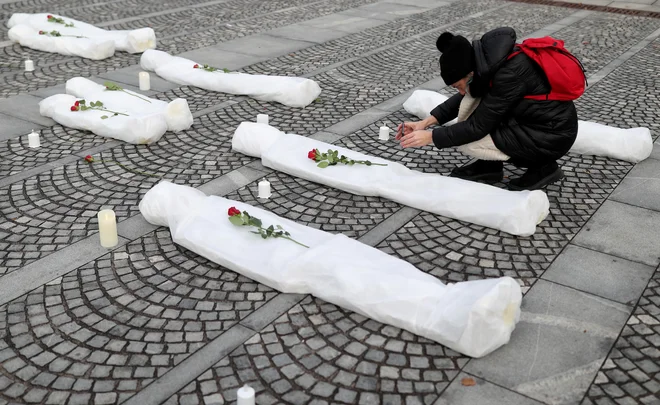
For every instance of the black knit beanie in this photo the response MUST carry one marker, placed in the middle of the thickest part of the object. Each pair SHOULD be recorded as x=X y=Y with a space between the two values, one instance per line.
x=457 y=59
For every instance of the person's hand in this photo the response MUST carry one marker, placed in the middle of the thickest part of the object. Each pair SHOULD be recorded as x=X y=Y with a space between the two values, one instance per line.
x=408 y=127
x=417 y=139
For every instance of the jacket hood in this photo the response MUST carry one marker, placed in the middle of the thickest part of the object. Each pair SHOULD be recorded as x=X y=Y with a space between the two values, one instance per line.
x=492 y=50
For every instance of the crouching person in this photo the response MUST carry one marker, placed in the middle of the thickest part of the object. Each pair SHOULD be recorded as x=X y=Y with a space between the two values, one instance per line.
x=505 y=108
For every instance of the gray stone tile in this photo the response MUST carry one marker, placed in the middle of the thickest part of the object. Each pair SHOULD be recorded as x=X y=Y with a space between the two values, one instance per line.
x=655 y=154
x=600 y=274
x=357 y=122
x=25 y=107
x=129 y=76
x=558 y=346
x=231 y=181
x=389 y=226
x=641 y=187
x=623 y=230
x=483 y=393
x=384 y=11
x=50 y=91
x=342 y=22
x=134 y=227
x=12 y=127
x=305 y=33
x=264 y=45
x=270 y=311
x=222 y=59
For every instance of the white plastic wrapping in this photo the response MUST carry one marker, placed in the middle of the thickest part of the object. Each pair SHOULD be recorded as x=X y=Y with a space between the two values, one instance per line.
x=146 y=121
x=515 y=212
x=177 y=113
x=290 y=91
x=473 y=318
x=632 y=145
x=98 y=44
x=422 y=102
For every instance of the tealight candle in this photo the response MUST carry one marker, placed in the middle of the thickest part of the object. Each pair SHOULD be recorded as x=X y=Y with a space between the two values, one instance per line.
x=33 y=140
x=108 y=228
x=264 y=189
x=384 y=134
x=245 y=396
x=262 y=119
x=145 y=81
x=29 y=66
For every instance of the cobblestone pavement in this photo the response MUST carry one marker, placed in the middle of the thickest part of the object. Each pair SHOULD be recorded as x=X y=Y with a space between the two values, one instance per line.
x=150 y=322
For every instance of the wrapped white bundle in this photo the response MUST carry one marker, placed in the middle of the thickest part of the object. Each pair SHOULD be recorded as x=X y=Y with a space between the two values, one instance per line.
x=133 y=41
x=145 y=121
x=290 y=91
x=632 y=145
x=515 y=212
x=177 y=113
x=473 y=318
x=95 y=49
x=422 y=102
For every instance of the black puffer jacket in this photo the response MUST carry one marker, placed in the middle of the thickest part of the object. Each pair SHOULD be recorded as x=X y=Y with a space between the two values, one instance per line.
x=530 y=132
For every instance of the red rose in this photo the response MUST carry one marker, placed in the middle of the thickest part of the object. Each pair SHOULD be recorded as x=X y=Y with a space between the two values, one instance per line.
x=89 y=159
x=312 y=154
x=41 y=33
x=233 y=211
x=196 y=66
x=74 y=108
x=77 y=103
x=50 y=16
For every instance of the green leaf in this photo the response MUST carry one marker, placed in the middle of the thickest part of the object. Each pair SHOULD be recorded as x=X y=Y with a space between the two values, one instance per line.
x=255 y=221
x=104 y=117
x=279 y=227
x=236 y=220
x=287 y=233
x=263 y=235
x=112 y=86
x=82 y=102
x=323 y=165
x=368 y=163
x=226 y=70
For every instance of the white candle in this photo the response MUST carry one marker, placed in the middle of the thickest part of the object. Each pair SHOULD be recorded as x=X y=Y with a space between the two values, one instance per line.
x=262 y=119
x=145 y=81
x=245 y=396
x=264 y=189
x=384 y=134
x=33 y=140
x=108 y=228
x=29 y=66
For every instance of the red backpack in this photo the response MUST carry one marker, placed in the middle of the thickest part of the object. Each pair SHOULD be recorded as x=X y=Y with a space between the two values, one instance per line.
x=564 y=71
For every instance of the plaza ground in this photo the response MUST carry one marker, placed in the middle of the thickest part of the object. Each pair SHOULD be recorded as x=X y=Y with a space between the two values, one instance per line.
x=150 y=322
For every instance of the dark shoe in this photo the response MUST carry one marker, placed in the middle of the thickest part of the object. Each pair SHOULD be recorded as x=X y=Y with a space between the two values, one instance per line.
x=537 y=177
x=481 y=170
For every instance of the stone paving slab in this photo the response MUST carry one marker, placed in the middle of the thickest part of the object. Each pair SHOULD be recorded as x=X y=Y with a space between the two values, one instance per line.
x=641 y=187
x=560 y=343
x=313 y=352
x=25 y=107
x=623 y=230
x=11 y=127
x=600 y=274
x=483 y=393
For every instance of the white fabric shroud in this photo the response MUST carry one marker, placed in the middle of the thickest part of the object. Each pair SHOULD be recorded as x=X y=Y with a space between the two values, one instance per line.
x=632 y=145
x=98 y=44
x=290 y=91
x=146 y=122
x=473 y=318
x=515 y=212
